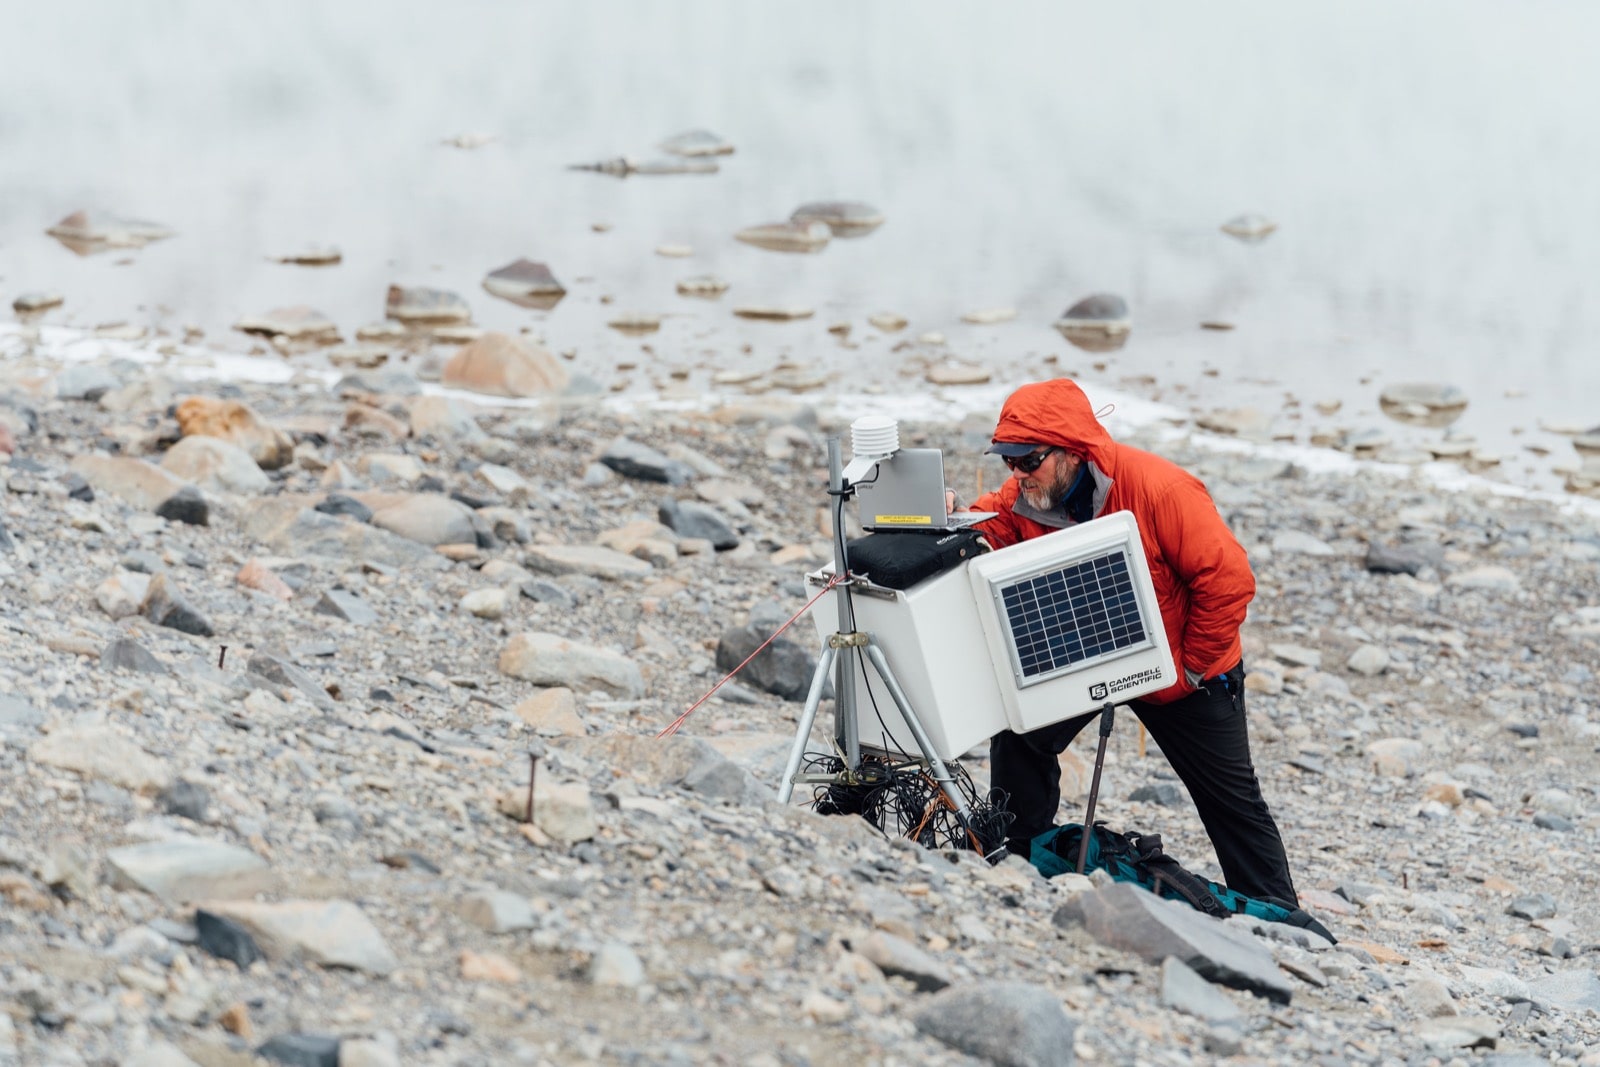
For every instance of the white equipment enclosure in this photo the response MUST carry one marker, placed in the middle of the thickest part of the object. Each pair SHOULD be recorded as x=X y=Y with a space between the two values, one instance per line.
x=1030 y=635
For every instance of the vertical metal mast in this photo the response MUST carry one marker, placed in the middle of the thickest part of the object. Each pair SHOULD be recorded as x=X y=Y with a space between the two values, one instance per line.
x=846 y=730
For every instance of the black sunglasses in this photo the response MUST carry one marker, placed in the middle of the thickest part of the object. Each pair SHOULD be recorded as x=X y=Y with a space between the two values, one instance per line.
x=1029 y=463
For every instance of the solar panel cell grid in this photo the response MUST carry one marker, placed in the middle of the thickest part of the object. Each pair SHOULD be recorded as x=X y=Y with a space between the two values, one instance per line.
x=1077 y=613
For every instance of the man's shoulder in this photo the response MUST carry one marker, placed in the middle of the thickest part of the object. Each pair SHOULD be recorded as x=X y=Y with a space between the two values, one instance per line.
x=1148 y=475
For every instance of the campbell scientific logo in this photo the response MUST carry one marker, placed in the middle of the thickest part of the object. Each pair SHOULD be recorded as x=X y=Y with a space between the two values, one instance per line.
x=1099 y=691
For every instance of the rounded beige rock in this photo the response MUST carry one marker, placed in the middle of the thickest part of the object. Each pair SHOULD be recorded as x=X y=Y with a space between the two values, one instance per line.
x=500 y=365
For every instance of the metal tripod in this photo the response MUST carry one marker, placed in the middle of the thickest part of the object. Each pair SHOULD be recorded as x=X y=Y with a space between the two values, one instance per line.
x=837 y=653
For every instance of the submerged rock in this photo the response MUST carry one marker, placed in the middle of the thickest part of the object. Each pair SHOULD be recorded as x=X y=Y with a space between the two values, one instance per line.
x=361 y=355
x=420 y=304
x=314 y=256
x=635 y=323
x=622 y=166
x=957 y=374
x=846 y=218
x=378 y=332
x=470 y=141
x=455 y=333
x=787 y=236
x=706 y=286
x=297 y=323
x=697 y=144
x=1250 y=229
x=27 y=303
x=526 y=284
x=88 y=232
x=989 y=316
x=773 y=312
x=1423 y=403
x=1097 y=323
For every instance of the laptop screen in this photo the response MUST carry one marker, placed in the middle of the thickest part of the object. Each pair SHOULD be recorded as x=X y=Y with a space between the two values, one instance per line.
x=907 y=493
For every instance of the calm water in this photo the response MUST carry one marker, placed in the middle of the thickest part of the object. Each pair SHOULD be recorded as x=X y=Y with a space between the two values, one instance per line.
x=1430 y=165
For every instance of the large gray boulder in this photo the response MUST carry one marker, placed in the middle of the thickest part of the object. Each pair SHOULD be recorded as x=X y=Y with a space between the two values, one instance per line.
x=291 y=529
x=428 y=519
x=1011 y=1024
x=550 y=659
x=784 y=667
x=1186 y=991
x=1572 y=991
x=691 y=520
x=333 y=933
x=215 y=465
x=280 y=670
x=101 y=752
x=189 y=868
x=165 y=606
x=683 y=762
x=1135 y=920
x=140 y=484
x=597 y=561
x=634 y=460
x=896 y=956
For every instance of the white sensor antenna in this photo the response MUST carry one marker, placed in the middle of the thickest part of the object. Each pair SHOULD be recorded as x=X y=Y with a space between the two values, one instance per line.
x=873 y=439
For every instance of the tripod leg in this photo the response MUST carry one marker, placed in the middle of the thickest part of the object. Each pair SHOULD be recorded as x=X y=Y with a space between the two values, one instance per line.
x=802 y=736
x=1107 y=720
x=941 y=774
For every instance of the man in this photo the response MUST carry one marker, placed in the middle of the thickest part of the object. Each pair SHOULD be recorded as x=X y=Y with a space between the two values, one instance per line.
x=1066 y=470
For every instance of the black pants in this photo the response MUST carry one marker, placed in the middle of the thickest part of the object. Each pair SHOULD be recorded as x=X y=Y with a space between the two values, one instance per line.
x=1204 y=738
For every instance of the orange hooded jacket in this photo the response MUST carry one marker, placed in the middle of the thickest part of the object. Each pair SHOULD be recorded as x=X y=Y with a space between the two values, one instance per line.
x=1200 y=571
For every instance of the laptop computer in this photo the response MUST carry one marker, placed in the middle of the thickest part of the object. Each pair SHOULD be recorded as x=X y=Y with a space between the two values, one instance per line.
x=908 y=494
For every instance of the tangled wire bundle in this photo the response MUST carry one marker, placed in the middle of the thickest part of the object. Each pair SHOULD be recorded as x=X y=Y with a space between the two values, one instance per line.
x=903 y=800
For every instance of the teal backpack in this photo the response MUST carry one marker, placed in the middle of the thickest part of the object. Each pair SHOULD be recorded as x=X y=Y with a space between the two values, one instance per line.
x=1138 y=858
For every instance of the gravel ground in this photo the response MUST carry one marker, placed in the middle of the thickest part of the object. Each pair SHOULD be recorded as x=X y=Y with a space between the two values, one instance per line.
x=344 y=789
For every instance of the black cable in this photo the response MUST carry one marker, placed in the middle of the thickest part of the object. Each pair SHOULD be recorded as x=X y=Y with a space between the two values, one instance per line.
x=903 y=800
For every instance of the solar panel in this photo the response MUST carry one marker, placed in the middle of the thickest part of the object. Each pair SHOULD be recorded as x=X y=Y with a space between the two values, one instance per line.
x=1071 y=615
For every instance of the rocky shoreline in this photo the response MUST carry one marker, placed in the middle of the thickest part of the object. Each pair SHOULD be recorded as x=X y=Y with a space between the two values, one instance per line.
x=278 y=662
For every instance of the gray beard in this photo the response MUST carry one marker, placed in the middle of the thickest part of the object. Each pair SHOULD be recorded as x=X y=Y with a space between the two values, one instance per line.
x=1045 y=498
x=1039 y=499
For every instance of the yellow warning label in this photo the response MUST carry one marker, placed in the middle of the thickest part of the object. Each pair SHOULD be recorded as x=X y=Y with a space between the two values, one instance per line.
x=903 y=520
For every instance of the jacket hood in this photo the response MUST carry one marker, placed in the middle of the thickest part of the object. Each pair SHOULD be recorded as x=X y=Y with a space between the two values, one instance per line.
x=1056 y=412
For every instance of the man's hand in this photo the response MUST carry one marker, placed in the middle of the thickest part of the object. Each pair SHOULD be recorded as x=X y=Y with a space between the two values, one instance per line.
x=949 y=501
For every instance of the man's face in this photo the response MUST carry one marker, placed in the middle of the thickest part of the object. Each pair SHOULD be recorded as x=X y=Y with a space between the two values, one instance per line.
x=1049 y=483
